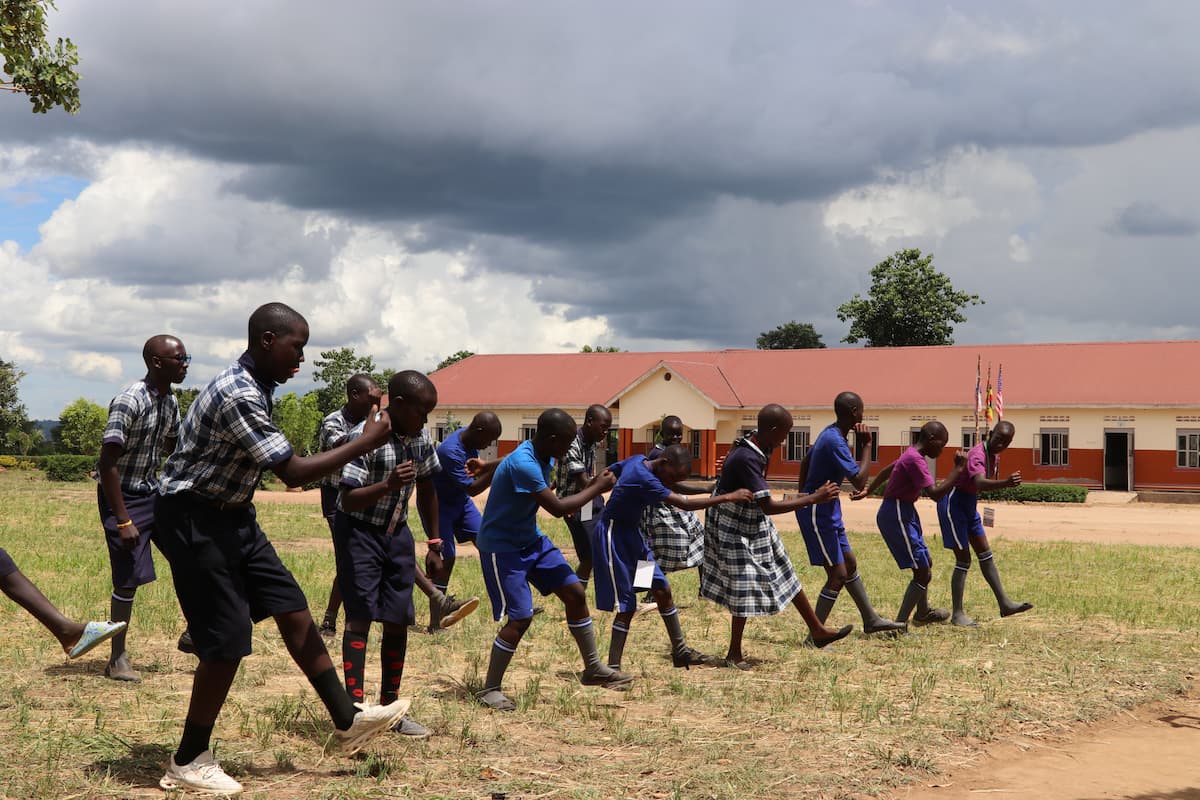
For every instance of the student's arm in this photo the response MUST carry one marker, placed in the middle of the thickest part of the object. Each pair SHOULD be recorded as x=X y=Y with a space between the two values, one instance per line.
x=359 y=497
x=482 y=471
x=985 y=484
x=427 y=510
x=824 y=494
x=693 y=488
x=697 y=503
x=110 y=484
x=299 y=470
x=862 y=438
x=562 y=506
x=876 y=482
x=938 y=491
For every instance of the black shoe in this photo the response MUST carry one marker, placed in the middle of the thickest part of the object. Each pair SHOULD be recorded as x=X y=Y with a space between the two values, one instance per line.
x=185 y=643
x=689 y=657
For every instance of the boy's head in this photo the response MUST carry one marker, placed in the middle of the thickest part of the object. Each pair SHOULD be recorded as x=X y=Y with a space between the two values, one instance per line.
x=596 y=422
x=166 y=358
x=277 y=337
x=1001 y=437
x=672 y=430
x=933 y=438
x=555 y=433
x=774 y=424
x=362 y=394
x=676 y=463
x=411 y=399
x=484 y=429
x=849 y=408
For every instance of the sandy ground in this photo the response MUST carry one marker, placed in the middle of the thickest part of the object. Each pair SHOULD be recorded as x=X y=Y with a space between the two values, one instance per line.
x=1152 y=753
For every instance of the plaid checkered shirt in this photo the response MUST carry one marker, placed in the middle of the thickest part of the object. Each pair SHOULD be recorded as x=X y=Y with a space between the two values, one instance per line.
x=335 y=429
x=376 y=465
x=579 y=460
x=227 y=438
x=141 y=421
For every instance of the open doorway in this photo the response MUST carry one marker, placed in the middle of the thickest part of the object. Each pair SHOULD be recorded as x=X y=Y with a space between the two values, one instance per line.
x=1118 y=460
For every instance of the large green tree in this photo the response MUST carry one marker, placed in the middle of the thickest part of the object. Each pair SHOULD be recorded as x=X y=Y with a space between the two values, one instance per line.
x=186 y=397
x=42 y=71
x=909 y=304
x=81 y=427
x=12 y=412
x=299 y=418
x=454 y=359
x=333 y=369
x=790 y=336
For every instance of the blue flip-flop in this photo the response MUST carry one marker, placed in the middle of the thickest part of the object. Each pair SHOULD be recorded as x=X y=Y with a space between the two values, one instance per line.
x=95 y=633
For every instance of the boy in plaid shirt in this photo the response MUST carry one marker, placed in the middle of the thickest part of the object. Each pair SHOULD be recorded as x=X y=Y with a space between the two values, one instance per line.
x=746 y=568
x=226 y=573
x=143 y=421
x=376 y=556
x=576 y=471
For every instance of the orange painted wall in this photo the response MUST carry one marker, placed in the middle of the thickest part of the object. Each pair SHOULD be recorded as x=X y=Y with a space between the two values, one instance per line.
x=505 y=446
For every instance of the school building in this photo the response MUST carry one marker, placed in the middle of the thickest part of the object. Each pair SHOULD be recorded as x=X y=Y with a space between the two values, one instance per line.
x=1114 y=415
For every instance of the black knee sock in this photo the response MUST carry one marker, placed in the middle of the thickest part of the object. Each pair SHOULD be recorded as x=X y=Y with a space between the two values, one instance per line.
x=392 y=652
x=333 y=695
x=354 y=663
x=616 y=645
x=825 y=600
x=670 y=619
x=194 y=742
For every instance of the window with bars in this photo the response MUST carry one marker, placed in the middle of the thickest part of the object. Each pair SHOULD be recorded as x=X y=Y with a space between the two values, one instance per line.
x=970 y=438
x=528 y=432
x=1187 y=448
x=1052 y=448
x=797 y=444
x=695 y=444
x=858 y=448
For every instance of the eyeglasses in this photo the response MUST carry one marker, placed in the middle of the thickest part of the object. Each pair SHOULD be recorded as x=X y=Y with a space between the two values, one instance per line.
x=185 y=360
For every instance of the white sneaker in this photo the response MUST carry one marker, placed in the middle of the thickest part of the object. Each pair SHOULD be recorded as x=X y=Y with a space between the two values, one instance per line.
x=203 y=774
x=369 y=722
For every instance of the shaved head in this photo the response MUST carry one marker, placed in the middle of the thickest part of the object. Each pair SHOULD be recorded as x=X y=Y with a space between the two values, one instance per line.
x=934 y=430
x=555 y=422
x=276 y=318
x=361 y=382
x=597 y=411
x=484 y=429
x=1005 y=428
x=410 y=385
x=162 y=345
x=846 y=403
x=774 y=416
x=678 y=456
x=486 y=421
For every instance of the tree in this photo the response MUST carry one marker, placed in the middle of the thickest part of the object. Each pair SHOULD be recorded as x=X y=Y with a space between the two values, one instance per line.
x=600 y=348
x=299 y=418
x=909 y=304
x=790 y=336
x=44 y=72
x=186 y=397
x=454 y=359
x=12 y=412
x=81 y=427
x=334 y=368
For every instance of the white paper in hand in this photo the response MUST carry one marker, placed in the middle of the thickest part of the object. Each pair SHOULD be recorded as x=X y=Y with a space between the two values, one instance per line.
x=643 y=576
x=585 y=513
x=989 y=518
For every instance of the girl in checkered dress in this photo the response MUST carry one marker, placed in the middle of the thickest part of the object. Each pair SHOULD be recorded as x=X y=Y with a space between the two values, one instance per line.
x=676 y=534
x=746 y=568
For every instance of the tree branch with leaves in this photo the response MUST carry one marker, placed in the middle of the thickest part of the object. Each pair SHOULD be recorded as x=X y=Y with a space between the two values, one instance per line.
x=43 y=71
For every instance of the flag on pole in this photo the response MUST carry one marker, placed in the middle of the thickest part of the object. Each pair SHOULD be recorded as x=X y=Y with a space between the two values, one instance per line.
x=999 y=401
x=988 y=408
x=978 y=387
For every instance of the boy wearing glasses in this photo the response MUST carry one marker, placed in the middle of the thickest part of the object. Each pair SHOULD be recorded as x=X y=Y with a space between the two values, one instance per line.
x=143 y=420
x=374 y=548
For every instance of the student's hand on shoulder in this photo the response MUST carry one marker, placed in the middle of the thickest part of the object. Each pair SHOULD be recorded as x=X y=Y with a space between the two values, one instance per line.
x=377 y=427
x=741 y=496
x=474 y=465
x=1014 y=479
x=402 y=474
x=826 y=493
x=607 y=480
x=862 y=434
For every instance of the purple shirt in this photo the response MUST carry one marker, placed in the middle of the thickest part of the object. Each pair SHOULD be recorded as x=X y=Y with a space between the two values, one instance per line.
x=910 y=476
x=976 y=465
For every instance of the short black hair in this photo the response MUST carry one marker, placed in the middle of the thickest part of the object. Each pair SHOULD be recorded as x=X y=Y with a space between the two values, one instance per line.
x=595 y=410
x=933 y=428
x=678 y=455
x=845 y=403
x=555 y=422
x=361 y=382
x=275 y=317
x=1007 y=426
x=773 y=415
x=155 y=344
x=409 y=384
x=672 y=420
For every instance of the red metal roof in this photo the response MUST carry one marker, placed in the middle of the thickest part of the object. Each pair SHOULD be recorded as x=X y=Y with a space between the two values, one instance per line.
x=1115 y=374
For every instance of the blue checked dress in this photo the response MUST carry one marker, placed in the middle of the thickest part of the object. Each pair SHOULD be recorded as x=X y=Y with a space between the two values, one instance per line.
x=746 y=569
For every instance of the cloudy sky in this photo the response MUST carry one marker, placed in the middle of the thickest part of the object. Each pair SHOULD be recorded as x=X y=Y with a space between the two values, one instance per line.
x=419 y=178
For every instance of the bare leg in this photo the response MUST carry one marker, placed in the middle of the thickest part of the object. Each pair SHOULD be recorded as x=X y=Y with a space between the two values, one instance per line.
x=821 y=634
x=26 y=595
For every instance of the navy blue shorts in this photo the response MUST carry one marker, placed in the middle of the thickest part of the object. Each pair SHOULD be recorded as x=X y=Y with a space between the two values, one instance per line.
x=959 y=517
x=901 y=528
x=824 y=538
x=7 y=565
x=507 y=577
x=375 y=571
x=458 y=524
x=617 y=550
x=581 y=536
x=130 y=568
x=329 y=496
x=227 y=575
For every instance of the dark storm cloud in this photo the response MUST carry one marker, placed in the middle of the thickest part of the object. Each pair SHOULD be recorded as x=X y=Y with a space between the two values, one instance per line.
x=1148 y=219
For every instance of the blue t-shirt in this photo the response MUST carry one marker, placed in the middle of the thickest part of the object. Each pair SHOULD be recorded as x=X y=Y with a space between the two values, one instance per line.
x=510 y=516
x=637 y=487
x=452 y=482
x=830 y=459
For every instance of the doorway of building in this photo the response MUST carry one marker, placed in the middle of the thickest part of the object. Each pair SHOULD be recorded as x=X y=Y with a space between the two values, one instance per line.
x=1118 y=460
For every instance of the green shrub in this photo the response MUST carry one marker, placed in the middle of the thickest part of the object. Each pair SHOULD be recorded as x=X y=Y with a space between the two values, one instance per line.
x=8 y=462
x=68 y=468
x=1040 y=493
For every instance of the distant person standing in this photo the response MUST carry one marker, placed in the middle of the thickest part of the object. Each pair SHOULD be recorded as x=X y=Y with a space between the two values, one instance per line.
x=362 y=394
x=576 y=472
x=143 y=422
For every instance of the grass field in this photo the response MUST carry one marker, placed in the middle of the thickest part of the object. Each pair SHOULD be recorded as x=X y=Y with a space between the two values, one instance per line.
x=1114 y=626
